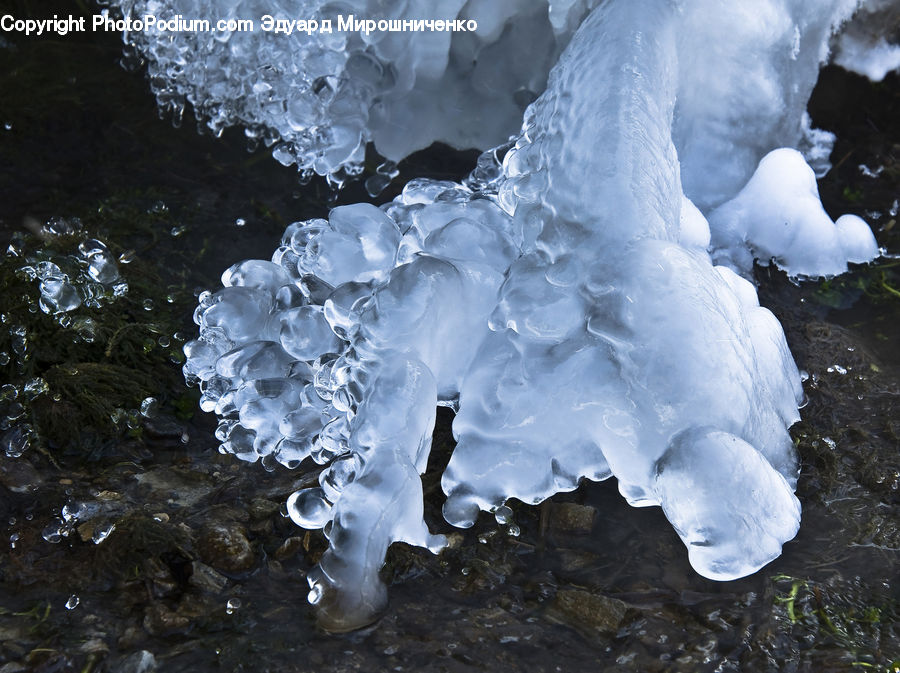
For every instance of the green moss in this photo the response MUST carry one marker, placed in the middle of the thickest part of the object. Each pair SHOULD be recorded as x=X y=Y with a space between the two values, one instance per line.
x=852 y=195
x=95 y=364
x=878 y=282
x=835 y=614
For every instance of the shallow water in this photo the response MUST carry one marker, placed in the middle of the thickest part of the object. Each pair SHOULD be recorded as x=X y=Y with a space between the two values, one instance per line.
x=202 y=571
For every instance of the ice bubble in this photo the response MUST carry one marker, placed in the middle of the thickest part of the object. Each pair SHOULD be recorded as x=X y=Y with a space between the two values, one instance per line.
x=149 y=407
x=102 y=268
x=17 y=440
x=102 y=532
x=340 y=473
x=305 y=333
x=308 y=508
x=58 y=295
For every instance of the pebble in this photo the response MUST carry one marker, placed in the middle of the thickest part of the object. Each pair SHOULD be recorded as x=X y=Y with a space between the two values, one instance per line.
x=570 y=517
x=225 y=547
x=160 y=621
x=586 y=612
x=138 y=662
x=207 y=579
x=289 y=548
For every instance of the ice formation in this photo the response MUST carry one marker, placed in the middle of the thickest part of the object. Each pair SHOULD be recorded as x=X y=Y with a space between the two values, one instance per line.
x=865 y=46
x=319 y=99
x=578 y=300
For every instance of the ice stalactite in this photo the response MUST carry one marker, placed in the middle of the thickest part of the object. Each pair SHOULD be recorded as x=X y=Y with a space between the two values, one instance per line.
x=318 y=99
x=563 y=301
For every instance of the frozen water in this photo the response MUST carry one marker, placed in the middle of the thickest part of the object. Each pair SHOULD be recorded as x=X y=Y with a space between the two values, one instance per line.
x=90 y=277
x=320 y=98
x=778 y=216
x=564 y=301
x=863 y=47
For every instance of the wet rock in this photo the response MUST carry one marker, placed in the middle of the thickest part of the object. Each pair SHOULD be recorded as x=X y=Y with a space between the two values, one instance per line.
x=162 y=583
x=225 y=547
x=139 y=662
x=40 y=660
x=161 y=428
x=572 y=518
x=591 y=614
x=19 y=476
x=261 y=527
x=176 y=486
x=289 y=548
x=455 y=539
x=13 y=637
x=574 y=561
x=275 y=570
x=94 y=646
x=13 y=667
x=160 y=621
x=207 y=579
x=130 y=638
x=260 y=508
x=86 y=531
x=228 y=514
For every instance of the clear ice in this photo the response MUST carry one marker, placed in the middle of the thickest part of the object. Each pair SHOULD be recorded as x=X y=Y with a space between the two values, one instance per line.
x=320 y=99
x=581 y=300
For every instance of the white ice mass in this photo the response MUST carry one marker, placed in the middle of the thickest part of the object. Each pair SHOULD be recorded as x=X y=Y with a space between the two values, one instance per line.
x=580 y=300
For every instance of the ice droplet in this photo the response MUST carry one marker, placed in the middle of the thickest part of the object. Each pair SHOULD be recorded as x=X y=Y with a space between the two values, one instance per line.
x=53 y=532
x=308 y=508
x=149 y=407
x=102 y=532
x=503 y=515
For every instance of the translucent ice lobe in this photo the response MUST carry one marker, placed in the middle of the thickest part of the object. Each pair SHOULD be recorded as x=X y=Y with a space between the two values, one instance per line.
x=383 y=502
x=547 y=448
x=359 y=244
x=305 y=334
x=422 y=295
x=542 y=349
x=738 y=524
x=874 y=61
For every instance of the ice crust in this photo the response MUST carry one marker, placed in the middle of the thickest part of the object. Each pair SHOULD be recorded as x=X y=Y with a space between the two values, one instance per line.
x=319 y=99
x=563 y=301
